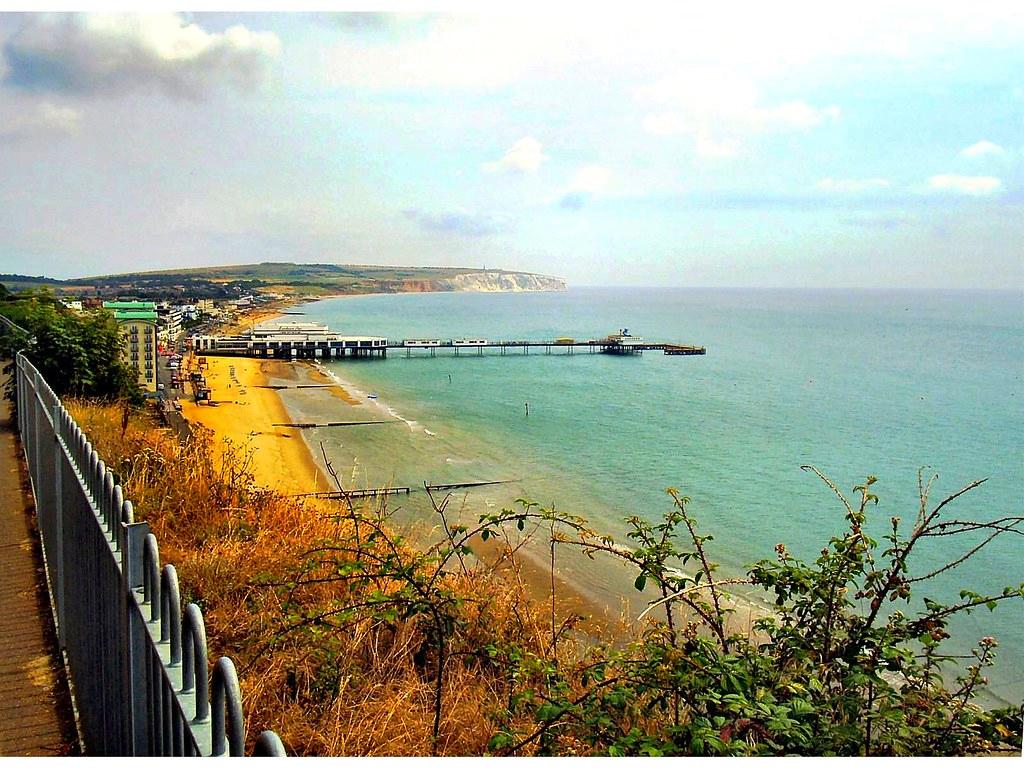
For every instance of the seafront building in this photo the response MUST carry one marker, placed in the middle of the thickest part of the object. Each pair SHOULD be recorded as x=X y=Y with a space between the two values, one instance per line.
x=169 y=319
x=292 y=340
x=137 y=322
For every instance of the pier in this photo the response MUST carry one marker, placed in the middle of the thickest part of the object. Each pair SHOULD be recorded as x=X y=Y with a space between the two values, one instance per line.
x=294 y=341
x=547 y=347
x=386 y=491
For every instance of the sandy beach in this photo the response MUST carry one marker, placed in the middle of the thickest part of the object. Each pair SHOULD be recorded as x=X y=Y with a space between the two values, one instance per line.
x=246 y=413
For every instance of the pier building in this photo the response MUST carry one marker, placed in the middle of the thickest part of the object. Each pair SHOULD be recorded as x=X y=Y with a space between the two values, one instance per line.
x=291 y=339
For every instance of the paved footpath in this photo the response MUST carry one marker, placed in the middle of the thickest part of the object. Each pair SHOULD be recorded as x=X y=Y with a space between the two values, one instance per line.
x=35 y=711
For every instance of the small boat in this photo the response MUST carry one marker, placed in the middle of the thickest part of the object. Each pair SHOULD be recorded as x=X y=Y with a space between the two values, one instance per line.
x=372 y=396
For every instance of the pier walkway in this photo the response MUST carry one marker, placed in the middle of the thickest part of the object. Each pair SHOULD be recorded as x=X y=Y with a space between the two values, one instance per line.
x=325 y=344
x=547 y=347
x=35 y=712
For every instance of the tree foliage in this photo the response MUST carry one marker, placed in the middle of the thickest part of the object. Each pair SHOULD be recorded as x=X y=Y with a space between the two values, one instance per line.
x=79 y=354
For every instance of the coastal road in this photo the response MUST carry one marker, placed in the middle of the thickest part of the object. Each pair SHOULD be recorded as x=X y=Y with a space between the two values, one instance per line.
x=173 y=418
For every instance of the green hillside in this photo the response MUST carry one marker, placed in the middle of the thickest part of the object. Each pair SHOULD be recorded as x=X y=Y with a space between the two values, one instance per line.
x=231 y=280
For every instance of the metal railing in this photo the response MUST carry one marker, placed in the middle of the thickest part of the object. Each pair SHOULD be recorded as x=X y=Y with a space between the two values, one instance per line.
x=137 y=661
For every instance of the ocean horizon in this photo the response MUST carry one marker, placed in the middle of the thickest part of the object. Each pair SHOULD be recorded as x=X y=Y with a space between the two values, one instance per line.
x=854 y=382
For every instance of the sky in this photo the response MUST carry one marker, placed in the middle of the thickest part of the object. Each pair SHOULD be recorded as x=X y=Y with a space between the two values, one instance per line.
x=734 y=144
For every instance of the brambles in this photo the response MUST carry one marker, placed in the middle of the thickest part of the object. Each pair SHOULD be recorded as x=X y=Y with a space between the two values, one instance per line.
x=816 y=677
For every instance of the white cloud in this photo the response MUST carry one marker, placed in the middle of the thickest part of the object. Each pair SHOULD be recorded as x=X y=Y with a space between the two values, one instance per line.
x=585 y=183
x=965 y=185
x=982 y=149
x=664 y=124
x=828 y=184
x=525 y=156
x=495 y=48
x=592 y=178
x=25 y=122
x=706 y=147
x=717 y=109
x=117 y=52
x=462 y=52
x=795 y=115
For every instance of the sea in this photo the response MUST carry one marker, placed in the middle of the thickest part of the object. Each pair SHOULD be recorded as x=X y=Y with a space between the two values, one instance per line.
x=887 y=383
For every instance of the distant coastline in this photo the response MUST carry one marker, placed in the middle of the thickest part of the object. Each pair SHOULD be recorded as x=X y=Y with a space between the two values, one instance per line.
x=287 y=279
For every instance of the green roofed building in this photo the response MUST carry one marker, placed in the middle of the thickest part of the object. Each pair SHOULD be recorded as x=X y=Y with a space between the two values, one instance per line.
x=137 y=321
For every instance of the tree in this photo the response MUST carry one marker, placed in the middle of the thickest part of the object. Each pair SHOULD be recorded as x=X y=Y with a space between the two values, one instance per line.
x=77 y=354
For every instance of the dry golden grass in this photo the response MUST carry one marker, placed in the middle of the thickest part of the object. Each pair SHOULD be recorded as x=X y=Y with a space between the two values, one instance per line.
x=363 y=688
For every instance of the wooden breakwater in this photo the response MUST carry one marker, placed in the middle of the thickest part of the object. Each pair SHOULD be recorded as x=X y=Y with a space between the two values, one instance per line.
x=308 y=425
x=390 y=490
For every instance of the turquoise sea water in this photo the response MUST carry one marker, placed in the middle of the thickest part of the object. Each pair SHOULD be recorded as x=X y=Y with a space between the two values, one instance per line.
x=853 y=382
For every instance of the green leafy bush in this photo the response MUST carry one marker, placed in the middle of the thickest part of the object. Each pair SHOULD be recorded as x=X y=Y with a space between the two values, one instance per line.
x=817 y=676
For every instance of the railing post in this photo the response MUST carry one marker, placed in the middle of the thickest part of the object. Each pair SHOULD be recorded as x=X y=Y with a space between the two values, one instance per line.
x=110 y=518
x=151 y=576
x=268 y=744
x=55 y=549
x=194 y=661
x=227 y=703
x=195 y=682
x=155 y=702
x=37 y=418
x=19 y=399
x=133 y=535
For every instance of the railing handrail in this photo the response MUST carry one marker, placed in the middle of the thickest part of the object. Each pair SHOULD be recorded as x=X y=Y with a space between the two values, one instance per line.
x=14 y=326
x=153 y=696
